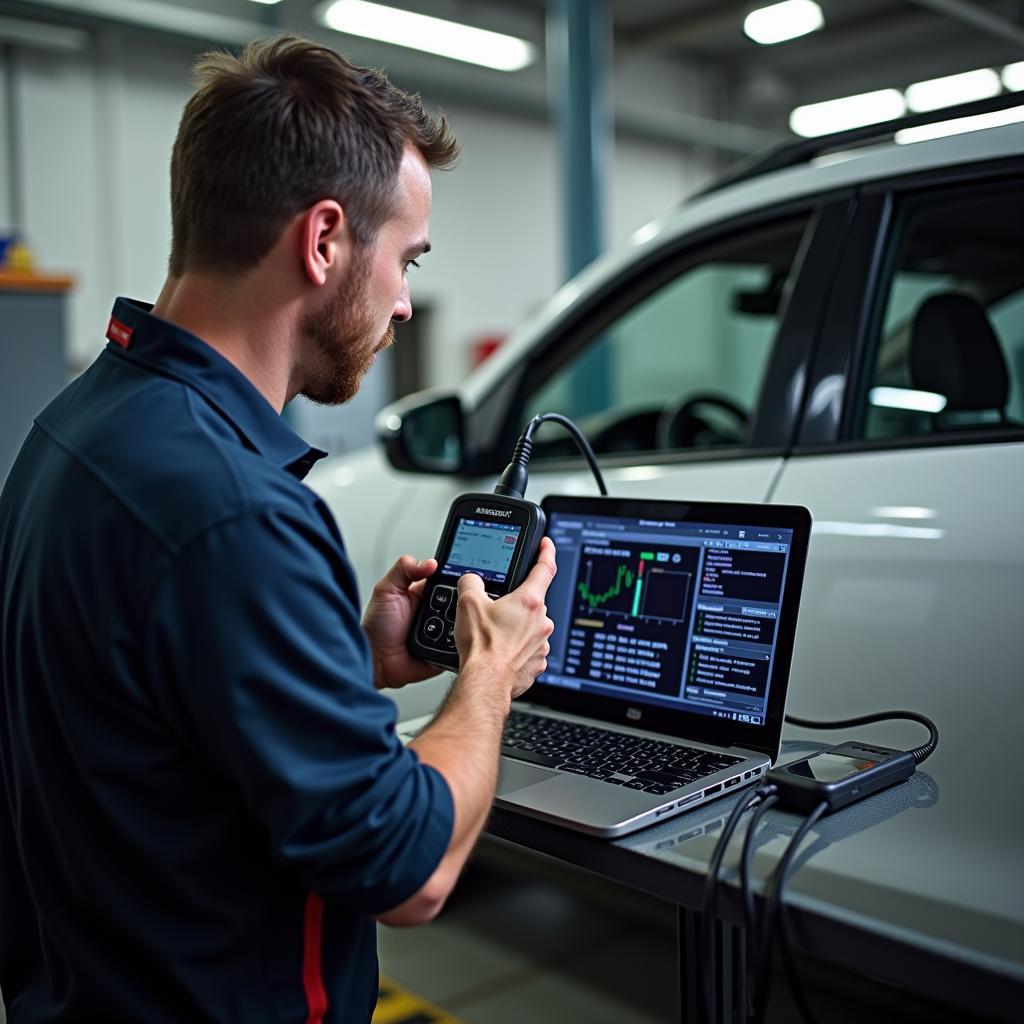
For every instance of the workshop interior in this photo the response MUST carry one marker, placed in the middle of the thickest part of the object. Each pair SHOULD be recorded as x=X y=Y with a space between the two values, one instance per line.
x=721 y=314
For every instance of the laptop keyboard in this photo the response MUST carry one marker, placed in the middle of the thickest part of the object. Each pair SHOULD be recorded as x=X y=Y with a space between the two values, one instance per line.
x=620 y=759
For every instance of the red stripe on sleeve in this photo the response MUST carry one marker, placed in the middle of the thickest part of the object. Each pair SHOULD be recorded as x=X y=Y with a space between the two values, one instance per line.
x=312 y=968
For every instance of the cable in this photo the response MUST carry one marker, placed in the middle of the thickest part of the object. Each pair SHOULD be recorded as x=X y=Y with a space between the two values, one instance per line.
x=919 y=754
x=710 y=888
x=764 y=966
x=786 y=952
x=749 y=909
x=514 y=478
x=761 y=935
x=581 y=442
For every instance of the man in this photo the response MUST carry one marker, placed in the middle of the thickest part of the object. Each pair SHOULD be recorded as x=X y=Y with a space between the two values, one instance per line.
x=204 y=801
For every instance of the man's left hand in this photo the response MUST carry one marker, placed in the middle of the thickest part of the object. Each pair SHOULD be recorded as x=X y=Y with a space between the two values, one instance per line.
x=388 y=619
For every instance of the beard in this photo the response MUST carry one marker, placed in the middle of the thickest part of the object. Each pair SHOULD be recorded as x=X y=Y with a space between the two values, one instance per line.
x=339 y=342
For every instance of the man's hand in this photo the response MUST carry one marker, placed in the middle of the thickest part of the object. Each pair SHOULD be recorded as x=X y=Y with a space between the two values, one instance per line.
x=388 y=619
x=503 y=647
x=511 y=632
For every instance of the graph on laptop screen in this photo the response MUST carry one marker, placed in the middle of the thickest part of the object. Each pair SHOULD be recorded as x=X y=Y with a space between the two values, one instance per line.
x=678 y=614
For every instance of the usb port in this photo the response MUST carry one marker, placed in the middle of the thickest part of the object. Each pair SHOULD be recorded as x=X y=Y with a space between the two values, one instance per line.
x=733 y=782
x=747 y=775
x=712 y=789
x=663 y=810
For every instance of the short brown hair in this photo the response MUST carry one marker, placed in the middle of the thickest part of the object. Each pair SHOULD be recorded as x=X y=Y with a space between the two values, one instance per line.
x=272 y=131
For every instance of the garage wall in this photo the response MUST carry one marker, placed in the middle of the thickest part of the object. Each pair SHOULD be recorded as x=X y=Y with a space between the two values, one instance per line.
x=5 y=212
x=97 y=129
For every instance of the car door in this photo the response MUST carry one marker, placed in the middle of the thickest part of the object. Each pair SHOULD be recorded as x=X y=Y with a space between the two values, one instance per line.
x=911 y=459
x=682 y=380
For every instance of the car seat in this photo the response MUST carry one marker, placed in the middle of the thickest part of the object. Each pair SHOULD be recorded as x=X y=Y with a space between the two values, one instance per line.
x=954 y=352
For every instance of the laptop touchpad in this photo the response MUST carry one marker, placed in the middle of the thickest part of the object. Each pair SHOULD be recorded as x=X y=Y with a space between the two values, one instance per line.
x=517 y=775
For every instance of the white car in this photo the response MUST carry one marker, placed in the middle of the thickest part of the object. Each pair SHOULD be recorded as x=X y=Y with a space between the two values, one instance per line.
x=845 y=334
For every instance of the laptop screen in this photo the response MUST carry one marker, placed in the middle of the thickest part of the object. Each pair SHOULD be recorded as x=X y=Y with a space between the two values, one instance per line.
x=679 y=612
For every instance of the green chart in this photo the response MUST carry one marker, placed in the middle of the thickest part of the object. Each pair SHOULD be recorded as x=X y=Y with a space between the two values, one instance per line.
x=624 y=577
x=612 y=586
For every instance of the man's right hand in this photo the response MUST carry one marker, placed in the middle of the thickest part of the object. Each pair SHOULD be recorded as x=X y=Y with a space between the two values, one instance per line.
x=512 y=632
x=503 y=647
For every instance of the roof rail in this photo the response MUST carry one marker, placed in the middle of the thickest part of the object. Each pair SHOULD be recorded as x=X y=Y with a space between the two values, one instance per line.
x=791 y=154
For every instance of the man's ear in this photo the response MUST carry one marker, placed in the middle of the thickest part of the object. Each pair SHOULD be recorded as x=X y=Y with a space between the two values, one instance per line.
x=325 y=240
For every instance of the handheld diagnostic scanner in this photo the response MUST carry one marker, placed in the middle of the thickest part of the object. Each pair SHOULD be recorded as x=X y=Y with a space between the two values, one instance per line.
x=496 y=536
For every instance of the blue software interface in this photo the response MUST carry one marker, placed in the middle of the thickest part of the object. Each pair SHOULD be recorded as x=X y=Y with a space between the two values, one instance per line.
x=679 y=614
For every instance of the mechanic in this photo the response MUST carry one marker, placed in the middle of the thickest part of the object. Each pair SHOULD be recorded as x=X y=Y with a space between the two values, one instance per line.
x=205 y=804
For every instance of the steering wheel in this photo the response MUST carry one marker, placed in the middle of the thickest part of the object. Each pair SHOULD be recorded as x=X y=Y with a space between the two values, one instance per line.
x=680 y=426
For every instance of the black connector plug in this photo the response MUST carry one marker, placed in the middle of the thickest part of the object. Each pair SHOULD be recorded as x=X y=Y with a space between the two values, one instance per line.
x=515 y=477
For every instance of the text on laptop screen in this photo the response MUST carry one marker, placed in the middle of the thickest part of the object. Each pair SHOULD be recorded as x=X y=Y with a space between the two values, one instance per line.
x=683 y=615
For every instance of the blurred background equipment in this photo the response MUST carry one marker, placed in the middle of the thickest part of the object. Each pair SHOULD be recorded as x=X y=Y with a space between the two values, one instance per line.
x=580 y=121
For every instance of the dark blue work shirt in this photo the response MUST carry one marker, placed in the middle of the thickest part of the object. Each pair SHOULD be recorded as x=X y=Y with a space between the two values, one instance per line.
x=203 y=794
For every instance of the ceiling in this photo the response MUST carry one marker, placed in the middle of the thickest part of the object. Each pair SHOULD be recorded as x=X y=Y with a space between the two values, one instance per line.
x=865 y=45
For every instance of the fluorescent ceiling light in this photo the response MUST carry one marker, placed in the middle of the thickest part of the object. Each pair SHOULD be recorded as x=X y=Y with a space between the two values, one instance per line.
x=433 y=35
x=959 y=125
x=268 y=2
x=783 y=21
x=816 y=119
x=906 y=398
x=946 y=92
x=1013 y=77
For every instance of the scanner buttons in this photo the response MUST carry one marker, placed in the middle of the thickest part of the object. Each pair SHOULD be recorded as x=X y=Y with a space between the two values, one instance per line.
x=439 y=629
x=433 y=629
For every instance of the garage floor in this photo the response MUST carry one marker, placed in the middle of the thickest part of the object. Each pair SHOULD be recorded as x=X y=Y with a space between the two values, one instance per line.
x=516 y=946
x=523 y=940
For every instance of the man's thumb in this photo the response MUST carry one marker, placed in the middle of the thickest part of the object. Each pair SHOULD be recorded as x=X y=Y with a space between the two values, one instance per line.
x=469 y=582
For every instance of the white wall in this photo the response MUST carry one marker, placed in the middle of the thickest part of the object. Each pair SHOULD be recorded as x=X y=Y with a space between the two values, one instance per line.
x=96 y=129
x=5 y=213
x=61 y=174
x=97 y=133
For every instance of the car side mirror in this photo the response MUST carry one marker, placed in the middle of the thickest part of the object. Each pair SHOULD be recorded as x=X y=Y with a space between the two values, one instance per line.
x=423 y=432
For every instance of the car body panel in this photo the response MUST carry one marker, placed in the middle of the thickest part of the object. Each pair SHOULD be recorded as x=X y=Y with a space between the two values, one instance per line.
x=914 y=589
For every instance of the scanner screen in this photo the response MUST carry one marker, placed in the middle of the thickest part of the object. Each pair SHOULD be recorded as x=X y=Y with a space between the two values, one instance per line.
x=482 y=547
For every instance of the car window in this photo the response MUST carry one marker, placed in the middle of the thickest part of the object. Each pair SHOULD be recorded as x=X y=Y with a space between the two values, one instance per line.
x=681 y=368
x=948 y=353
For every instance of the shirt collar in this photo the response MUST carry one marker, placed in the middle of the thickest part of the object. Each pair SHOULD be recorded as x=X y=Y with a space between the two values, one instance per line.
x=135 y=333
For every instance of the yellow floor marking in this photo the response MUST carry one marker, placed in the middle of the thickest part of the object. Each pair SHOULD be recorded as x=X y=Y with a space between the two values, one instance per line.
x=397 y=1004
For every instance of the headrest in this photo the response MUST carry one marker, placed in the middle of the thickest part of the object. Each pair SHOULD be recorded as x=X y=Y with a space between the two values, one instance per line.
x=954 y=352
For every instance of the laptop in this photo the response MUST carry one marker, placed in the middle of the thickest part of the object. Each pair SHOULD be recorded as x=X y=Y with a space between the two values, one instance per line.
x=669 y=665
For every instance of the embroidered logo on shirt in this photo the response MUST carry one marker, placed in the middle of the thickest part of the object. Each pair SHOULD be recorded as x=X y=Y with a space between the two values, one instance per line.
x=119 y=332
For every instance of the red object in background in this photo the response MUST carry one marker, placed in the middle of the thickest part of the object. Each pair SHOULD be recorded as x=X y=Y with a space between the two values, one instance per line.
x=484 y=347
